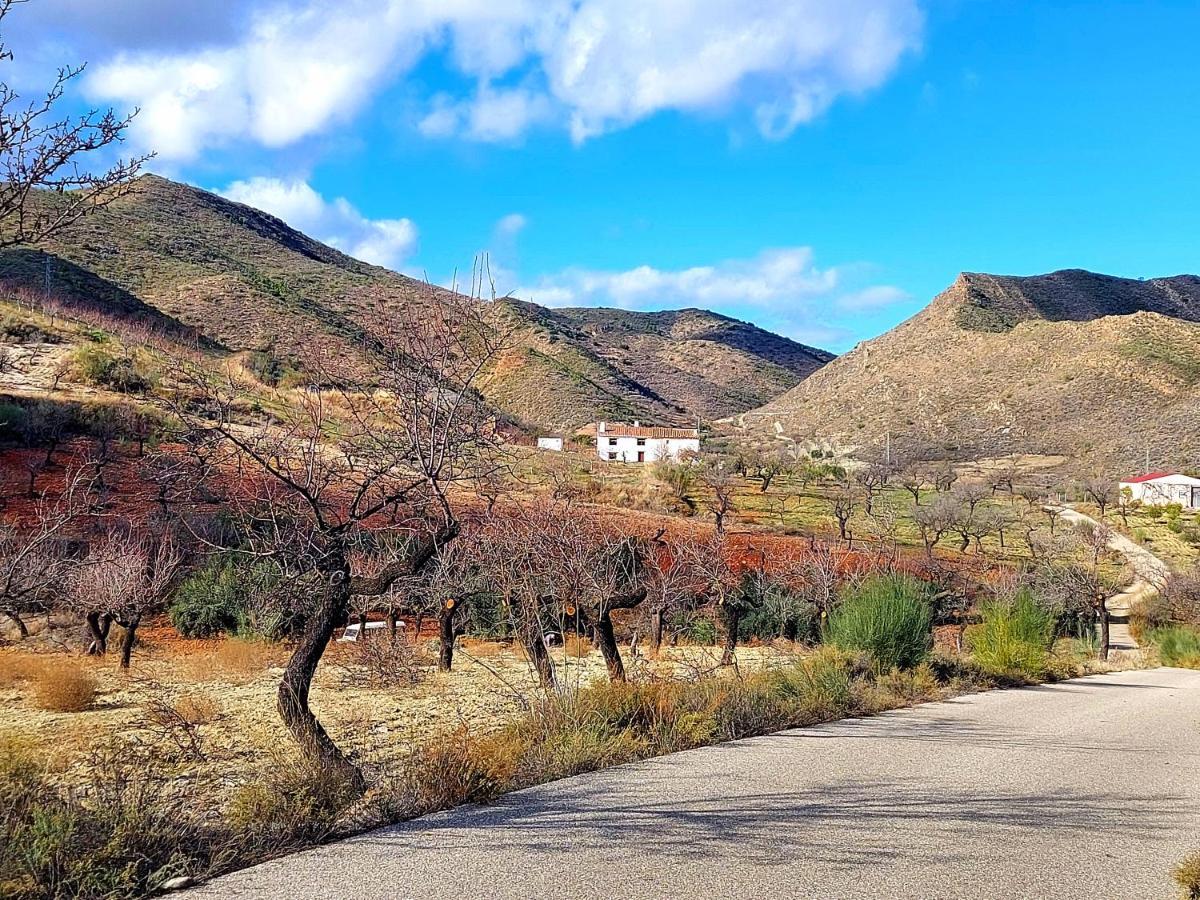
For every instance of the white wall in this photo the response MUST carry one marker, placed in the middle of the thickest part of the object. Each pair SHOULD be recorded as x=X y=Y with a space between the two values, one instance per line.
x=550 y=443
x=626 y=449
x=1162 y=492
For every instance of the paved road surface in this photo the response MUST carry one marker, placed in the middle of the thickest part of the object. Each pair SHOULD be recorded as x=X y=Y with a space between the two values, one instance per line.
x=1089 y=788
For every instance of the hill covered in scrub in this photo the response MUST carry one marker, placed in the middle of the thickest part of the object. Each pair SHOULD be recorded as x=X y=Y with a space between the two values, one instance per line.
x=1091 y=366
x=184 y=261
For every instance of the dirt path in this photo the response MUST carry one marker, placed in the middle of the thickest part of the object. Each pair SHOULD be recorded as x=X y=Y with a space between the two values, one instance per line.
x=1150 y=574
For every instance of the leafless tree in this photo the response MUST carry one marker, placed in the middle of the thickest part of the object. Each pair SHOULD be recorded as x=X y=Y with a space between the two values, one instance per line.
x=390 y=451
x=122 y=581
x=42 y=151
x=935 y=519
x=768 y=466
x=35 y=556
x=1099 y=490
x=843 y=503
x=721 y=503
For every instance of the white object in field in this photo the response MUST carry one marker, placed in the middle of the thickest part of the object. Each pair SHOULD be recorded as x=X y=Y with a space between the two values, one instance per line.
x=550 y=443
x=353 y=632
x=552 y=639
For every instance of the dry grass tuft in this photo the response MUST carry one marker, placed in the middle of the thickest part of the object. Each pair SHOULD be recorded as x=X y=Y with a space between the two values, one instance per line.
x=1187 y=874
x=17 y=667
x=64 y=686
x=198 y=709
x=234 y=661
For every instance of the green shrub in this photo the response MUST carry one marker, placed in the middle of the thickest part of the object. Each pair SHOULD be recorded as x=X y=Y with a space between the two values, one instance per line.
x=887 y=616
x=1178 y=645
x=224 y=598
x=1014 y=637
x=95 y=365
x=117 y=836
x=211 y=601
x=701 y=631
x=818 y=685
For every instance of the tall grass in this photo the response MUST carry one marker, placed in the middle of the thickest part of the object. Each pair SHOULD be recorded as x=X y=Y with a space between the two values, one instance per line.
x=887 y=616
x=1014 y=637
x=1178 y=645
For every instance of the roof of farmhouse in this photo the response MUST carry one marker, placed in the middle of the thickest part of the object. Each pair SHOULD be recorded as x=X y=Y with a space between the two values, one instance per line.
x=642 y=431
x=1162 y=476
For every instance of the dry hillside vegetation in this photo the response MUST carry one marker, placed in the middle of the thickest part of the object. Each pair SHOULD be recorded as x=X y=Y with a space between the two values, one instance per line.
x=198 y=267
x=1097 y=368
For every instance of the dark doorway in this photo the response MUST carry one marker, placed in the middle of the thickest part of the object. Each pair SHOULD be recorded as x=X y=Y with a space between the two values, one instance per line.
x=641 y=456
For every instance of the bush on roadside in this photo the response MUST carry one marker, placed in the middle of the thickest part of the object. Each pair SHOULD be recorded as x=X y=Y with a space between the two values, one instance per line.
x=117 y=836
x=1013 y=638
x=1178 y=645
x=887 y=616
x=292 y=804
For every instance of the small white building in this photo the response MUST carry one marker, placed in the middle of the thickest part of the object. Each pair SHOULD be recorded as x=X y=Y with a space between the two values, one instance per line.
x=638 y=443
x=1162 y=488
x=554 y=444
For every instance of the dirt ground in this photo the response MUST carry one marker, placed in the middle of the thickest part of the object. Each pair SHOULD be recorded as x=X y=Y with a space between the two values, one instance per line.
x=233 y=686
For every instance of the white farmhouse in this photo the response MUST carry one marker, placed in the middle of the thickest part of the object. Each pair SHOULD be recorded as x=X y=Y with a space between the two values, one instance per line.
x=1161 y=488
x=636 y=443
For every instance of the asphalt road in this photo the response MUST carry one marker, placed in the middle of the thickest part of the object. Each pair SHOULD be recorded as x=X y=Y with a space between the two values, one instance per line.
x=1089 y=788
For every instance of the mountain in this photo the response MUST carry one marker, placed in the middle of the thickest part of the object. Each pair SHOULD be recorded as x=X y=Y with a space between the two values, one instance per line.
x=182 y=260
x=1098 y=368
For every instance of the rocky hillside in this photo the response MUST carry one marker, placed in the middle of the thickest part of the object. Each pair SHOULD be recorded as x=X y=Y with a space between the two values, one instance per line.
x=186 y=261
x=1090 y=366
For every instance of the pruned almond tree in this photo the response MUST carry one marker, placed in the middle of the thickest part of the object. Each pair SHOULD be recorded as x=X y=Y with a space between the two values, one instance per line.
x=123 y=580
x=391 y=451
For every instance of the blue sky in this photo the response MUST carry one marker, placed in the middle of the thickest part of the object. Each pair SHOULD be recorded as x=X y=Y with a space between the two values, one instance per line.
x=820 y=168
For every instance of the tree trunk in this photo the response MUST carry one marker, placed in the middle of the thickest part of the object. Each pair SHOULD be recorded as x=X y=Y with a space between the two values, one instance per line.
x=733 y=618
x=128 y=640
x=448 y=632
x=656 y=633
x=607 y=641
x=1104 y=630
x=391 y=622
x=98 y=626
x=536 y=646
x=22 y=628
x=418 y=621
x=292 y=700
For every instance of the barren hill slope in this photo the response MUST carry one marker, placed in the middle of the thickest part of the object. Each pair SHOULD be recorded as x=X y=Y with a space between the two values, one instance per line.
x=1095 y=367
x=173 y=255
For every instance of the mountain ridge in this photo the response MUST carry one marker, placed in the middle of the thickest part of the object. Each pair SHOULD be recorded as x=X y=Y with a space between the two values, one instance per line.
x=1093 y=366
x=184 y=259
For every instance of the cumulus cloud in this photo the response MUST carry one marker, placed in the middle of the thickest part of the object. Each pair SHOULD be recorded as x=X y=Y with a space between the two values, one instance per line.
x=773 y=277
x=782 y=289
x=382 y=242
x=590 y=66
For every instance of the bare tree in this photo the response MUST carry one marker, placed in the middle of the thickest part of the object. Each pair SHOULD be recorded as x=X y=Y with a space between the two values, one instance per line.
x=385 y=452
x=122 y=581
x=843 y=502
x=721 y=504
x=43 y=152
x=935 y=519
x=1099 y=490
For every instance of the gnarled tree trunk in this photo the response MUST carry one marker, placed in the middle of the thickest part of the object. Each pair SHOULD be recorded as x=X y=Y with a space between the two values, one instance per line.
x=450 y=626
x=292 y=699
x=732 y=616
x=606 y=639
x=22 y=628
x=98 y=626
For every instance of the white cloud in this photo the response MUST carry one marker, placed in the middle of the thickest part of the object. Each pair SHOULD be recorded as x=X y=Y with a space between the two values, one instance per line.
x=511 y=225
x=781 y=289
x=592 y=66
x=382 y=242
x=773 y=277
